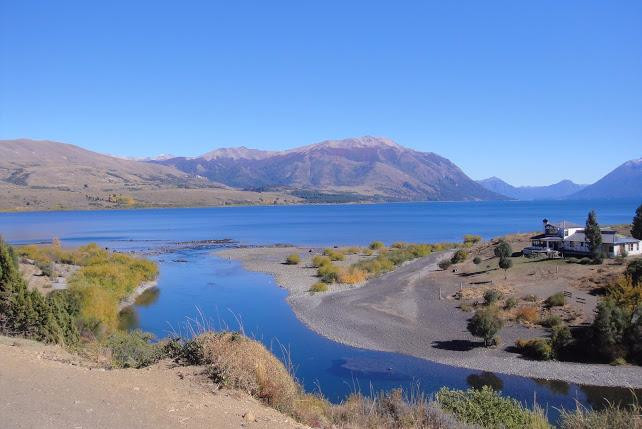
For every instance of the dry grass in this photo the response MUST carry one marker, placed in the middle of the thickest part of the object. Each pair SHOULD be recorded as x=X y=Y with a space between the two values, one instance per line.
x=527 y=314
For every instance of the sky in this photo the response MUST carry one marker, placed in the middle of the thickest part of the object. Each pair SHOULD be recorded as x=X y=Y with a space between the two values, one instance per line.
x=532 y=92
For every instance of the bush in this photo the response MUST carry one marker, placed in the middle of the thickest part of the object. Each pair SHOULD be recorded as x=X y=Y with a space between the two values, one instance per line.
x=329 y=273
x=352 y=276
x=585 y=261
x=352 y=251
x=561 y=340
x=634 y=270
x=503 y=249
x=319 y=287
x=510 y=303
x=133 y=349
x=610 y=417
x=293 y=259
x=536 y=348
x=445 y=264
x=376 y=245
x=459 y=256
x=485 y=324
x=505 y=264
x=477 y=260
x=334 y=255
x=318 y=261
x=528 y=314
x=531 y=298
x=572 y=260
x=487 y=408
x=556 y=300
x=470 y=239
x=491 y=296
x=609 y=330
x=551 y=321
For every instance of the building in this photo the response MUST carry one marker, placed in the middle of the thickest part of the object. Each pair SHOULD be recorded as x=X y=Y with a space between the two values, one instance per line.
x=568 y=238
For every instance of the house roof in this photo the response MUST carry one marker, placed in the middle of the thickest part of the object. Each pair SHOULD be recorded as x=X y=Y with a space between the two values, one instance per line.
x=625 y=240
x=566 y=224
x=608 y=237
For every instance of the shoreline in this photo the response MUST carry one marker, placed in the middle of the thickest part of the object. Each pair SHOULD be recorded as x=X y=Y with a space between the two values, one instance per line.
x=131 y=299
x=388 y=314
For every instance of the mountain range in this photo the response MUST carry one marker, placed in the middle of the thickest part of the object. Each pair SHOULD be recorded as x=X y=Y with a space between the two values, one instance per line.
x=374 y=168
x=50 y=175
x=556 y=191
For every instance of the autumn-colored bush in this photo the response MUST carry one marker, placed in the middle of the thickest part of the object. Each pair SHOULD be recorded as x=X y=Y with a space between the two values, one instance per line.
x=293 y=259
x=528 y=314
x=352 y=276
x=329 y=273
x=318 y=287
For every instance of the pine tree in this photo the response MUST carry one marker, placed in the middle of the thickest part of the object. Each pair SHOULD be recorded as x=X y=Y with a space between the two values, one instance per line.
x=636 y=226
x=593 y=236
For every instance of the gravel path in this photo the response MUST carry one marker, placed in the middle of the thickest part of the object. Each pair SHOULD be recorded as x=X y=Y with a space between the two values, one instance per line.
x=402 y=312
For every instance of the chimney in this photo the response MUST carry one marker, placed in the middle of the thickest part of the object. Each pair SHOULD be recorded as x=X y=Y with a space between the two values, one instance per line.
x=545 y=221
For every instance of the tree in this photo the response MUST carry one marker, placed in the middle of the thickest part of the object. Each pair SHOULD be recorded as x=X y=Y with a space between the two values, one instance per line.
x=609 y=328
x=505 y=264
x=503 y=249
x=593 y=236
x=634 y=269
x=485 y=324
x=636 y=226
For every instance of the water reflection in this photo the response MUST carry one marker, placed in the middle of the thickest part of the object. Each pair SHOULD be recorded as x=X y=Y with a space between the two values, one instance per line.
x=555 y=386
x=128 y=318
x=477 y=381
x=601 y=397
x=148 y=297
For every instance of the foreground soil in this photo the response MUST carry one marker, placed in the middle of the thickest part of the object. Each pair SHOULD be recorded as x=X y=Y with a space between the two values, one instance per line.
x=412 y=311
x=45 y=387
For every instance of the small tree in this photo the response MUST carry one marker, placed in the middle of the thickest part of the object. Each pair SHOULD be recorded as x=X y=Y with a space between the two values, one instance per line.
x=503 y=249
x=636 y=226
x=485 y=324
x=593 y=236
x=459 y=256
x=505 y=264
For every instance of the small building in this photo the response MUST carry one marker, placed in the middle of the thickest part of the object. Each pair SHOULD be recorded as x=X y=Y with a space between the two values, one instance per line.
x=568 y=238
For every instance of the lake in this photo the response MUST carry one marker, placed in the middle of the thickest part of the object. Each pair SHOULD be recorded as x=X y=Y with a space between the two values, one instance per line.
x=197 y=286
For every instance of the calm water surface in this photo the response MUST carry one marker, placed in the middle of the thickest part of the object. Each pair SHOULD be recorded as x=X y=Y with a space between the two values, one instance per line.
x=195 y=283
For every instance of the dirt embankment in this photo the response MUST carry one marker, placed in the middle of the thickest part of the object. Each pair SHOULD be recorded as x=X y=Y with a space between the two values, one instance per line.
x=45 y=387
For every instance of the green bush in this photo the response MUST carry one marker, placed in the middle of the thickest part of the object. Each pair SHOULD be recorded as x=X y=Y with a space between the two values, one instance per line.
x=459 y=256
x=293 y=259
x=586 y=261
x=318 y=287
x=535 y=348
x=561 y=340
x=556 y=300
x=488 y=409
x=470 y=239
x=477 y=260
x=133 y=349
x=376 y=245
x=319 y=261
x=334 y=255
x=445 y=264
x=491 y=296
x=634 y=270
x=510 y=303
x=189 y=352
x=551 y=321
x=485 y=324
x=503 y=249
x=329 y=273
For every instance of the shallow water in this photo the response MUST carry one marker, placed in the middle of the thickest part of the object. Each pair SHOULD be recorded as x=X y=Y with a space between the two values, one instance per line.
x=195 y=283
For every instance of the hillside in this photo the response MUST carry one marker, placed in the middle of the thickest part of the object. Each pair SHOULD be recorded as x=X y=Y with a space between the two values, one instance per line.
x=623 y=182
x=50 y=175
x=371 y=167
x=555 y=191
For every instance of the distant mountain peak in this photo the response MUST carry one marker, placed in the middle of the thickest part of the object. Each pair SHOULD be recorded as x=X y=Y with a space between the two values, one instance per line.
x=558 y=190
x=623 y=182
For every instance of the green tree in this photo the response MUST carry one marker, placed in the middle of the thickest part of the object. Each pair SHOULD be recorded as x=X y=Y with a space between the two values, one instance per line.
x=593 y=236
x=503 y=249
x=636 y=226
x=485 y=324
x=505 y=264
x=609 y=329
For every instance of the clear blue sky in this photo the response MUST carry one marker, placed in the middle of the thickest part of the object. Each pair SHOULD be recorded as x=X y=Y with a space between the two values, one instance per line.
x=532 y=92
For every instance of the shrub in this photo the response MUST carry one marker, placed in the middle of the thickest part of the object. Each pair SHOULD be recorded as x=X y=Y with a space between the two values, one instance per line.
x=319 y=287
x=536 y=348
x=318 y=261
x=485 y=324
x=445 y=264
x=352 y=251
x=505 y=264
x=528 y=314
x=510 y=303
x=133 y=349
x=293 y=259
x=376 y=245
x=352 y=276
x=556 y=300
x=572 y=260
x=470 y=239
x=477 y=260
x=398 y=245
x=609 y=329
x=188 y=352
x=551 y=321
x=503 y=249
x=459 y=256
x=530 y=298
x=329 y=273
x=487 y=408
x=334 y=255
x=561 y=340
x=585 y=261
x=610 y=417
x=634 y=270
x=491 y=296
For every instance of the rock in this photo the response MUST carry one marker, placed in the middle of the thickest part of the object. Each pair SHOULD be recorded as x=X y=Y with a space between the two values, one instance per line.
x=249 y=416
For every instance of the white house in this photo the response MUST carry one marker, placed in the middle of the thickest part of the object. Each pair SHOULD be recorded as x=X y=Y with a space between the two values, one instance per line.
x=568 y=238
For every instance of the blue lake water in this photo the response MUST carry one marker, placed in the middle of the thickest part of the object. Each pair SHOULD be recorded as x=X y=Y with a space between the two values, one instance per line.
x=194 y=283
